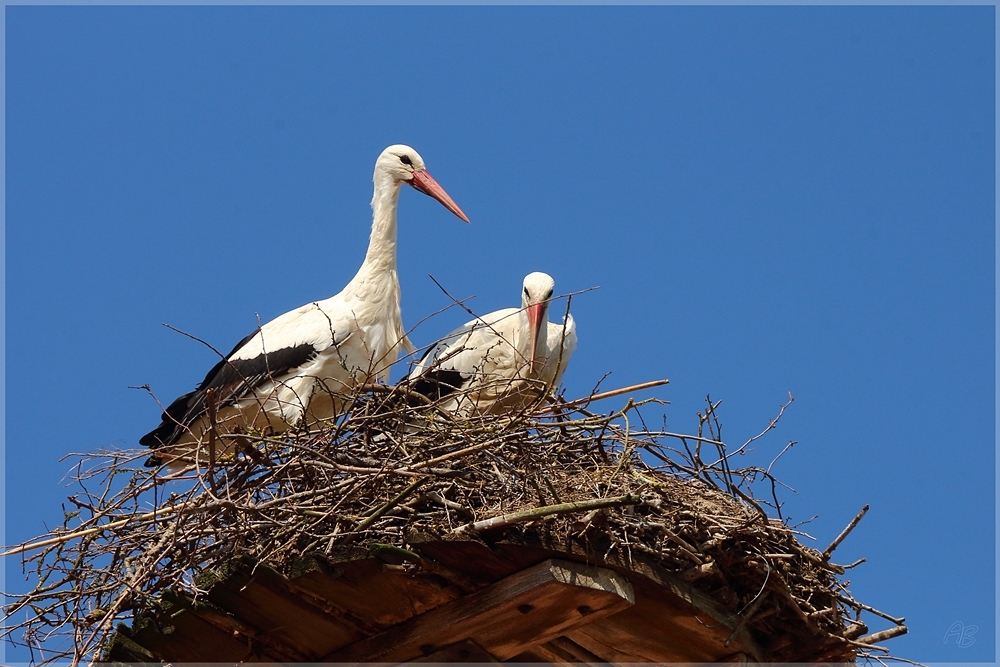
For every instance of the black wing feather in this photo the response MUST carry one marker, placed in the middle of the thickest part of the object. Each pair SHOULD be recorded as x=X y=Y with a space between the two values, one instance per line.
x=438 y=383
x=230 y=380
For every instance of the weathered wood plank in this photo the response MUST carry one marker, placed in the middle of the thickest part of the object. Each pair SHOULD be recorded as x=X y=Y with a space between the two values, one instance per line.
x=576 y=653
x=560 y=650
x=669 y=623
x=523 y=610
x=262 y=599
x=672 y=621
x=541 y=653
x=678 y=593
x=741 y=659
x=374 y=598
x=187 y=637
x=472 y=558
x=463 y=651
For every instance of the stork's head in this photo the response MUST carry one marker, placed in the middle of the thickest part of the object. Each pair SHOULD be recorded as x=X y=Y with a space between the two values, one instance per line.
x=538 y=288
x=404 y=165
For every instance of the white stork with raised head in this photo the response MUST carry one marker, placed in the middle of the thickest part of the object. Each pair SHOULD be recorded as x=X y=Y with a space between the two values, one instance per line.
x=501 y=362
x=298 y=367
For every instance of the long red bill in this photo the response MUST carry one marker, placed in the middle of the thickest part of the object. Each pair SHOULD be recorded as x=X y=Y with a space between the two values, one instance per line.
x=423 y=182
x=536 y=315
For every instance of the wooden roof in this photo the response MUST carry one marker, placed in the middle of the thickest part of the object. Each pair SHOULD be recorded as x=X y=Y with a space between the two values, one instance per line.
x=446 y=601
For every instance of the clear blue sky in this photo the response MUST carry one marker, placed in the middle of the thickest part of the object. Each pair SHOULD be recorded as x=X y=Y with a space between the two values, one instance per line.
x=772 y=200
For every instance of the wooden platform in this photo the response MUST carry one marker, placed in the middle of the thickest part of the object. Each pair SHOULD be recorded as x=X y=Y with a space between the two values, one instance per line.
x=445 y=601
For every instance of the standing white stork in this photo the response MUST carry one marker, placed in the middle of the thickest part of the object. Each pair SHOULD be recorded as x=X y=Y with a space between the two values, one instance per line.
x=297 y=367
x=500 y=362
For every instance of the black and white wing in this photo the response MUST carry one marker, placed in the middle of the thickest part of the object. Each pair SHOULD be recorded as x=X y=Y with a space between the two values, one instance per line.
x=265 y=359
x=230 y=380
x=467 y=353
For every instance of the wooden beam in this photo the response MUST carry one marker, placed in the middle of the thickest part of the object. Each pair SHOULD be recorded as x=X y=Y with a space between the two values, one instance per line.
x=464 y=651
x=542 y=653
x=523 y=610
x=576 y=652
x=261 y=599
x=740 y=658
x=672 y=621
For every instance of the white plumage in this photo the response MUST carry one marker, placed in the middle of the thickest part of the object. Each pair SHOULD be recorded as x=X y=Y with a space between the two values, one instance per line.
x=501 y=362
x=298 y=367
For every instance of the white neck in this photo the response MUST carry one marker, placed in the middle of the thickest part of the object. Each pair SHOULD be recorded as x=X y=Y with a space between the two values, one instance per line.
x=380 y=260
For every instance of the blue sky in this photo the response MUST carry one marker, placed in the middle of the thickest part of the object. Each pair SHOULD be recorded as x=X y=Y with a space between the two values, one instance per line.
x=771 y=199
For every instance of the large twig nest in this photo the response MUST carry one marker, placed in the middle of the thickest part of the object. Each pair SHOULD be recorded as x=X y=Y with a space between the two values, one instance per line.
x=395 y=472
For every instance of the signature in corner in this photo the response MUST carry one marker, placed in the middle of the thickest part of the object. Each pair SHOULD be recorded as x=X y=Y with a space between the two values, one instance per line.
x=965 y=635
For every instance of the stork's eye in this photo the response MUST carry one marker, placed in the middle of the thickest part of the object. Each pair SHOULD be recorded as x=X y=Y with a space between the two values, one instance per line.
x=526 y=292
x=548 y=295
x=405 y=159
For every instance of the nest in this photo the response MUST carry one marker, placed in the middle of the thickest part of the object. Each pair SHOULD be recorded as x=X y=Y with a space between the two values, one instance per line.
x=387 y=472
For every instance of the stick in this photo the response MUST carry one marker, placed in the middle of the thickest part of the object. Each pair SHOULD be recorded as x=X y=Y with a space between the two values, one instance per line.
x=460 y=452
x=389 y=505
x=745 y=617
x=89 y=531
x=683 y=436
x=685 y=547
x=773 y=424
x=505 y=520
x=780 y=586
x=883 y=635
x=212 y=413
x=872 y=610
x=844 y=533
x=609 y=394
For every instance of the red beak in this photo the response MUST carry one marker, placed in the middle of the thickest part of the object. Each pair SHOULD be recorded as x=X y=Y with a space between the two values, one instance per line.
x=423 y=182
x=536 y=314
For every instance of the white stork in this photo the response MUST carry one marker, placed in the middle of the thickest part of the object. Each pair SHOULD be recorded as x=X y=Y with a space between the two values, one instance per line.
x=296 y=368
x=501 y=362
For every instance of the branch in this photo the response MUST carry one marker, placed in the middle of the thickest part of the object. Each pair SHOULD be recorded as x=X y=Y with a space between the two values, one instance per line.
x=844 y=533
x=607 y=394
x=504 y=520
x=883 y=635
